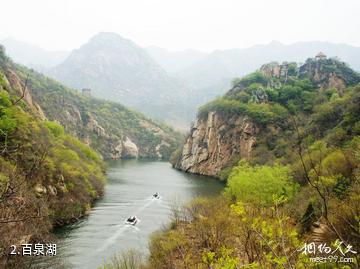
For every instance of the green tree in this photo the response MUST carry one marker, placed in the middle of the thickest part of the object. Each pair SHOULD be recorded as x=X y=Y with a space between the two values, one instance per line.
x=258 y=184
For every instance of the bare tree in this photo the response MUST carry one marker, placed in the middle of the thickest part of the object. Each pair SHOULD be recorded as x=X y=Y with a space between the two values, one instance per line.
x=23 y=91
x=316 y=182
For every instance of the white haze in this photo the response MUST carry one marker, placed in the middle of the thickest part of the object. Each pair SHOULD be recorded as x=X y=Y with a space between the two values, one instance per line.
x=180 y=24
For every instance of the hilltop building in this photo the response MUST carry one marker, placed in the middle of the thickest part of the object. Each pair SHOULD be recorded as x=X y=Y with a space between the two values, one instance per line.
x=320 y=56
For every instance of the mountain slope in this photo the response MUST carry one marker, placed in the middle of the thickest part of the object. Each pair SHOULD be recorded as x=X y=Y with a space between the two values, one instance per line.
x=110 y=128
x=117 y=69
x=47 y=177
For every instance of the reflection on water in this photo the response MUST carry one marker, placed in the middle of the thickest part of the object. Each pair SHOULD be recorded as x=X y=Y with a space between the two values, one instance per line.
x=131 y=184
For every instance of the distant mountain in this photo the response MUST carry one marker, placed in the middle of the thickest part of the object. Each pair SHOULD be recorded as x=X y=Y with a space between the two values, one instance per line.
x=227 y=64
x=31 y=55
x=117 y=69
x=174 y=61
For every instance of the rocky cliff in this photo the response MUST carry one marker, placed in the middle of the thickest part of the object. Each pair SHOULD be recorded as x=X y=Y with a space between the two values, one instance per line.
x=215 y=142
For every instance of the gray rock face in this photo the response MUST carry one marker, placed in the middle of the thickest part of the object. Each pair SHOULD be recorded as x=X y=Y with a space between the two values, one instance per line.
x=216 y=142
x=116 y=152
x=324 y=73
x=129 y=149
x=314 y=70
x=95 y=126
x=275 y=70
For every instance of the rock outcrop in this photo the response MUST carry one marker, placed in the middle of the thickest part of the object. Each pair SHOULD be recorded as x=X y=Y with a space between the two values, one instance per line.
x=324 y=73
x=275 y=70
x=329 y=73
x=93 y=125
x=18 y=85
x=129 y=149
x=216 y=142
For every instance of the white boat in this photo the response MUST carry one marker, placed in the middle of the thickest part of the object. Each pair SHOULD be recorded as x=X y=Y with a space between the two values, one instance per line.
x=132 y=220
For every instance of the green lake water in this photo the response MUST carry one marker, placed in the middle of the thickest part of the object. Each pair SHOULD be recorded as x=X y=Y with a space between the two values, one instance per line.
x=130 y=185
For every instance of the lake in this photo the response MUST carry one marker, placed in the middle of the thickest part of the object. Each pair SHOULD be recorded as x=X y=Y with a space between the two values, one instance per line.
x=130 y=186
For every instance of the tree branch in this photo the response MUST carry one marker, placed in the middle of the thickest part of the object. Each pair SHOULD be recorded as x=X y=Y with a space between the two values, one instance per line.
x=23 y=91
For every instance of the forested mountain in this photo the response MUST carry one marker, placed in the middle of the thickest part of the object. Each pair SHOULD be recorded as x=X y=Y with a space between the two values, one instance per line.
x=257 y=109
x=117 y=69
x=286 y=139
x=112 y=129
x=47 y=177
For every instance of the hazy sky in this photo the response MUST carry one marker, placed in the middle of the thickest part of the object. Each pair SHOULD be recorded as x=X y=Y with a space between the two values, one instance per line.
x=179 y=24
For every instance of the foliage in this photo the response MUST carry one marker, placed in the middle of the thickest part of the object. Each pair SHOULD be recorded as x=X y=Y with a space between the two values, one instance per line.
x=55 y=129
x=260 y=113
x=217 y=234
x=47 y=177
x=259 y=184
x=7 y=115
x=256 y=77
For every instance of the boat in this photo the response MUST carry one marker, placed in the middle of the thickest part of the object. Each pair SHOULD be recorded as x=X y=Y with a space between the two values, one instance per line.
x=132 y=220
x=156 y=196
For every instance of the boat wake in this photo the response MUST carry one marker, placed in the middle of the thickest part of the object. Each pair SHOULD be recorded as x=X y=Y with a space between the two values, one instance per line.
x=123 y=227
x=150 y=201
x=112 y=239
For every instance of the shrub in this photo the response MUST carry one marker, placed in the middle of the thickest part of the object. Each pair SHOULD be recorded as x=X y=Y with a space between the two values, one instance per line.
x=226 y=106
x=256 y=77
x=7 y=114
x=261 y=113
x=55 y=129
x=258 y=184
